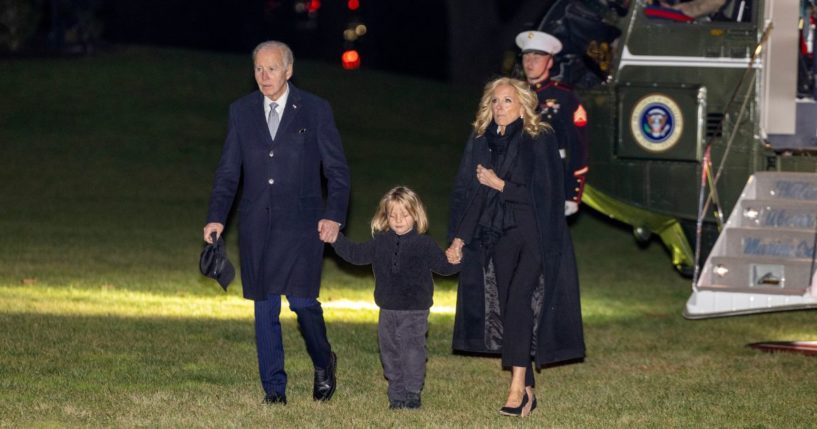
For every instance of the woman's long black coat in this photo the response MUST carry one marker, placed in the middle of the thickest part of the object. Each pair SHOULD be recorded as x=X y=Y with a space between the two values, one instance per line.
x=558 y=334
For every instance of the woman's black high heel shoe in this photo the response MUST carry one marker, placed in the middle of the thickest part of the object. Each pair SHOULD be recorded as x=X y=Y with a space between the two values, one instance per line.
x=532 y=405
x=519 y=411
x=533 y=401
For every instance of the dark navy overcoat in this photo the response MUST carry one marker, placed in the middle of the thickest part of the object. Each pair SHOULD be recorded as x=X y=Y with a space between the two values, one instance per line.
x=558 y=332
x=282 y=197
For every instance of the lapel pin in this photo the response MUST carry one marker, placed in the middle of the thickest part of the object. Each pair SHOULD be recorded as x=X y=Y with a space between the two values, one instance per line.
x=302 y=131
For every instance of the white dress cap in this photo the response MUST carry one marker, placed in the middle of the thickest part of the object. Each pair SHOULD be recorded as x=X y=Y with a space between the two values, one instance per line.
x=538 y=41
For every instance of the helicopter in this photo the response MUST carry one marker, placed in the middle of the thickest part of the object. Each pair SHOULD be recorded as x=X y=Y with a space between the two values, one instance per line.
x=703 y=132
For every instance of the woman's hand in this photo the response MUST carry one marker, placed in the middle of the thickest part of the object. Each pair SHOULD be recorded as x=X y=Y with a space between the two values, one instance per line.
x=488 y=178
x=454 y=252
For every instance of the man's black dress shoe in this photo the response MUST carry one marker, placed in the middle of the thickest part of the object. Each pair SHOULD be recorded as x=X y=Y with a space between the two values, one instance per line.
x=275 y=399
x=325 y=380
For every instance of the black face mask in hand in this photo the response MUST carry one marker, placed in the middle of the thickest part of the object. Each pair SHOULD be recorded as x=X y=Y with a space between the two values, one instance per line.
x=213 y=262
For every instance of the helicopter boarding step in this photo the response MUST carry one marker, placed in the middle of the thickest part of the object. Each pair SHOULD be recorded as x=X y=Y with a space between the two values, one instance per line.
x=764 y=260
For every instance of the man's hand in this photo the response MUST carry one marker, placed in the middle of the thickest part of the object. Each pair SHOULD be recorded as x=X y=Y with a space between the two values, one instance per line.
x=210 y=228
x=328 y=230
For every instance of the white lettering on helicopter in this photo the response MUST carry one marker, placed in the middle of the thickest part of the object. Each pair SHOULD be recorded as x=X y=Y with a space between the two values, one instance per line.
x=795 y=190
x=791 y=249
x=783 y=218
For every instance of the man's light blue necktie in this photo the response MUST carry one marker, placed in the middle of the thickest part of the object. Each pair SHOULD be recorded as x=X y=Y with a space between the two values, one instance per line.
x=273 y=120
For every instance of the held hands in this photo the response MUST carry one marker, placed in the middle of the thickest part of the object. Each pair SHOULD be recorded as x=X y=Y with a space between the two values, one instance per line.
x=454 y=252
x=488 y=178
x=210 y=228
x=328 y=230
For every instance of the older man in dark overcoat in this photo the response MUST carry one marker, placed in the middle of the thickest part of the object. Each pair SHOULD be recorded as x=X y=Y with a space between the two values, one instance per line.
x=281 y=142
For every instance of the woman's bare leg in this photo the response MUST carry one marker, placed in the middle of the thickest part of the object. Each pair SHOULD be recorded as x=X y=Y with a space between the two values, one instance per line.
x=517 y=389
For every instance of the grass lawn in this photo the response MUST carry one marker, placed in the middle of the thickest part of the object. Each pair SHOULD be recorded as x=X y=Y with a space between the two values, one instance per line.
x=107 y=164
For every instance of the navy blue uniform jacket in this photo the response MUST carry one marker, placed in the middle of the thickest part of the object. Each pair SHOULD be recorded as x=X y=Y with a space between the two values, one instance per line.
x=282 y=199
x=558 y=333
x=560 y=108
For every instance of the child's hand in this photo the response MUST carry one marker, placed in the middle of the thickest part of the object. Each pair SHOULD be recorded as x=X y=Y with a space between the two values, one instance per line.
x=452 y=257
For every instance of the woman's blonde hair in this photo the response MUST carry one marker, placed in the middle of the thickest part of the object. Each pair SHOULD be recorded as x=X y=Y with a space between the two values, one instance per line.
x=533 y=124
x=408 y=199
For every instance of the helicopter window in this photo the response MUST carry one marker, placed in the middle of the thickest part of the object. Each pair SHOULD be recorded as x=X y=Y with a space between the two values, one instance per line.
x=734 y=11
x=666 y=13
x=700 y=10
x=807 y=66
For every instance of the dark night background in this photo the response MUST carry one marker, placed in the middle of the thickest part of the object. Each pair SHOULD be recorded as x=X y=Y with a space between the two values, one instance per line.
x=439 y=39
x=399 y=33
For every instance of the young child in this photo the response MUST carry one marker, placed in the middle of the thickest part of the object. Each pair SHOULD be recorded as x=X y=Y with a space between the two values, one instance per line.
x=402 y=259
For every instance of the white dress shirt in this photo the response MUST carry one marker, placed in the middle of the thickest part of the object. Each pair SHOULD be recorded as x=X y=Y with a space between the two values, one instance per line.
x=281 y=101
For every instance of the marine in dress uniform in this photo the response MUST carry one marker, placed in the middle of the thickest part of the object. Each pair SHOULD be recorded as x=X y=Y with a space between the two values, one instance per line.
x=560 y=107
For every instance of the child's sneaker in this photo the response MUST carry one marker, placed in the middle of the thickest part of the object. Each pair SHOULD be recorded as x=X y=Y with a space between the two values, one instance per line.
x=413 y=400
x=397 y=405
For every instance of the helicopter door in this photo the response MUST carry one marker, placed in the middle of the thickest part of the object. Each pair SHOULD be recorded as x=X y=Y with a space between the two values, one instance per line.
x=779 y=83
x=663 y=123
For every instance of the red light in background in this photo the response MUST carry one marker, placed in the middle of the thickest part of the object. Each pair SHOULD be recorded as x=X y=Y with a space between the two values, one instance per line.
x=353 y=4
x=314 y=5
x=350 y=60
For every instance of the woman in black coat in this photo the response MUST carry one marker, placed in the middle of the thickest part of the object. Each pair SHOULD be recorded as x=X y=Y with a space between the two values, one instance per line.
x=518 y=292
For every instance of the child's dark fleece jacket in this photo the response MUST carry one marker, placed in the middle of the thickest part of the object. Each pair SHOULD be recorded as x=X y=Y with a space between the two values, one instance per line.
x=402 y=266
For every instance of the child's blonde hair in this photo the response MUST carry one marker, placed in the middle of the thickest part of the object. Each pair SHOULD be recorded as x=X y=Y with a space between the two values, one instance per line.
x=408 y=199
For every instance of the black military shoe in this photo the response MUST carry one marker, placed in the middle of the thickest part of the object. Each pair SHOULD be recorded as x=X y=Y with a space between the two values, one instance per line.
x=275 y=399
x=325 y=380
